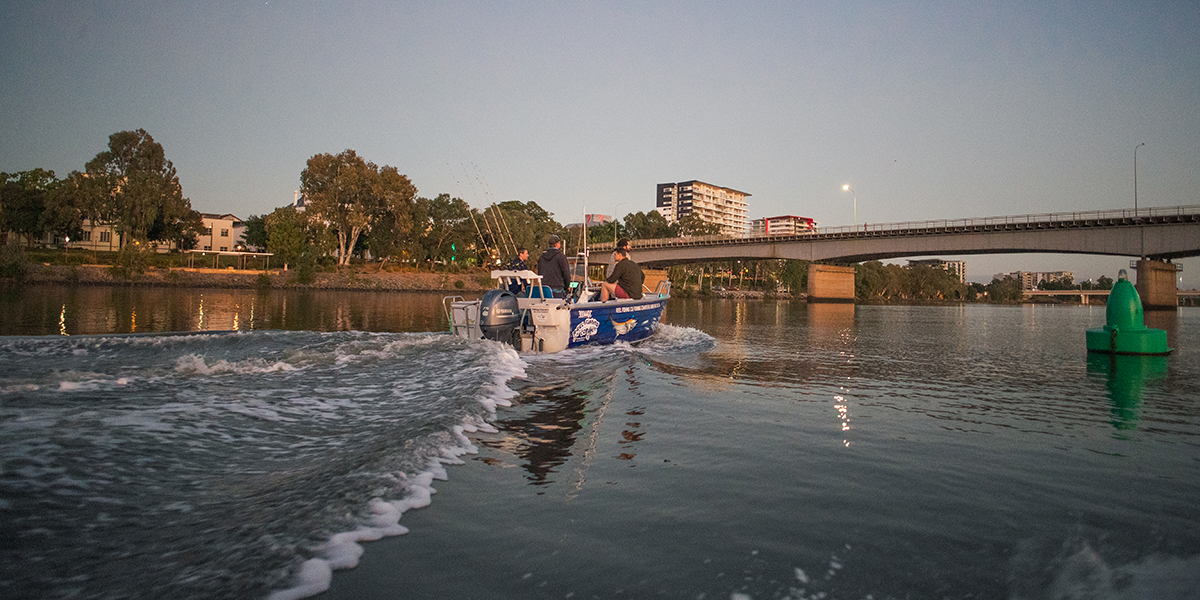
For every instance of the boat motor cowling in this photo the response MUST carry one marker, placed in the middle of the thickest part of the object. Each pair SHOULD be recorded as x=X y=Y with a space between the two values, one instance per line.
x=499 y=317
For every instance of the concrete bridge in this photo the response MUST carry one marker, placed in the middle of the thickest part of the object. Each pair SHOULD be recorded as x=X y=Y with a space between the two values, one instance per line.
x=1155 y=234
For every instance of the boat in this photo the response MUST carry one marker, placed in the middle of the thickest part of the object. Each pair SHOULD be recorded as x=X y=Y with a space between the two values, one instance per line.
x=531 y=320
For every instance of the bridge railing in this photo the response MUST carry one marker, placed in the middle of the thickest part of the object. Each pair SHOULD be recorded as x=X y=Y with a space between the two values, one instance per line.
x=1030 y=219
x=1062 y=218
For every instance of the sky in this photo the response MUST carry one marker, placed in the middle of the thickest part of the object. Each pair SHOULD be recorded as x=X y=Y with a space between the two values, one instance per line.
x=928 y=110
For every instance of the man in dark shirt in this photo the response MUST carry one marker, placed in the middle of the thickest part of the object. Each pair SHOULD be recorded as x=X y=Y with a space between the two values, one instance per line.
x=626 y=279
x=554 y=268
x=520 y=262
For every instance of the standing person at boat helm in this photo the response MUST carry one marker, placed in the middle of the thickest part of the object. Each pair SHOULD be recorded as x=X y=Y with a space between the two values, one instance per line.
x=553 y=267
x=626 y=279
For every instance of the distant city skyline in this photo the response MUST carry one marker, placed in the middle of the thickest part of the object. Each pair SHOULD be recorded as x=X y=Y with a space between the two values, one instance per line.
x=926 y=112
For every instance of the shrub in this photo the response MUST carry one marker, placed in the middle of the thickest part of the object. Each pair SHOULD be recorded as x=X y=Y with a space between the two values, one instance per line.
x=13 y=262
x=131 y=261
x=263 y=282
x=306 y=271
x=458 y=283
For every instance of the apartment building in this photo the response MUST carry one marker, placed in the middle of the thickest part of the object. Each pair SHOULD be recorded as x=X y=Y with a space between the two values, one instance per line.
x=1030 y=280
x=222 y=233
x=782 y=225
x=723 y=206
x=958 y=268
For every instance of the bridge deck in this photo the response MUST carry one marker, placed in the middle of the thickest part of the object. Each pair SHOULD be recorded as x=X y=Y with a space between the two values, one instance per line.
x=1113 y=232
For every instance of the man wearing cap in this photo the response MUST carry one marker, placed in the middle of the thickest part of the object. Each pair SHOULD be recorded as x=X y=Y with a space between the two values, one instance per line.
x=554 y=269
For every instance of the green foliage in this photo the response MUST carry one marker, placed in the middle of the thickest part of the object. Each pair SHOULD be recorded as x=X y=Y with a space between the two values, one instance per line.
x=691 y=224
x=647 y=226
x=137 y=190
x=13 y=262
x=447 y=220
x=23 y=202
x=263 y=282
x=875 y=281
x=1004 y=291
x=288 y=234
x=458 y=284
x=352 y=194
x=306 y=270
x=132 y=260
x=256 y=232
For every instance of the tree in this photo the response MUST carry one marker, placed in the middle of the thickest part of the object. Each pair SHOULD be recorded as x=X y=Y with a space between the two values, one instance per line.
x=391 y=233
x=351 y=194
x=138 y=190
x=647 y=226
x=288 y=234
x=691 y=224
x=524 y=224
x=444 y=218
x=1004 y=291
x=256 y=232
x=23 y=198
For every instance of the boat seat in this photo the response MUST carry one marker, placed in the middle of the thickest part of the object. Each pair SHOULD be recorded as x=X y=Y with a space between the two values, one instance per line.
x=542 y=292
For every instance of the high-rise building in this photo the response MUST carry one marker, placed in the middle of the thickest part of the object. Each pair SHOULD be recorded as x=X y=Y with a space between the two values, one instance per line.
x=782 y=225
x=723 y=206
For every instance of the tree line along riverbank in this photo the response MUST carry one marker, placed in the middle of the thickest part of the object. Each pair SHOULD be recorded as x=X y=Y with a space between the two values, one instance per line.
x=234 y=278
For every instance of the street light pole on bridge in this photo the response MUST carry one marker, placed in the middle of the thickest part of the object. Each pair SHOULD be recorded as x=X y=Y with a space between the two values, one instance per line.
x=846 y=188
x=1135 y=202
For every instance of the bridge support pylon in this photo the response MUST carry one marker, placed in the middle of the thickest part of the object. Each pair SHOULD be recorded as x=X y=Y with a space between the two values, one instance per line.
x=1156 y=284
x=830 y=283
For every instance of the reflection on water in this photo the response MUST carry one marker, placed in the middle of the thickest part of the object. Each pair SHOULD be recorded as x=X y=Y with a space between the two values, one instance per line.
x=83 y=310
x=542 y=437
x=830 y=316
x=1127 y=376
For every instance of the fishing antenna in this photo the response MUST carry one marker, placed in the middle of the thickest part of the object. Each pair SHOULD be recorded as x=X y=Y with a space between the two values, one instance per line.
x=482 y=240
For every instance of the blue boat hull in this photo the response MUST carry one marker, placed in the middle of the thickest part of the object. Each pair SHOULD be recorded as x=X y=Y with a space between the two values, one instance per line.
x=617 y=321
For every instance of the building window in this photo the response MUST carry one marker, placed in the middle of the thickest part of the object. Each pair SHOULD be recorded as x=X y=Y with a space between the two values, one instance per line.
x=105 y=237
x=224 y=233
x=224 y=248
x=208 y=247
x=86 y=237
x=208 y=231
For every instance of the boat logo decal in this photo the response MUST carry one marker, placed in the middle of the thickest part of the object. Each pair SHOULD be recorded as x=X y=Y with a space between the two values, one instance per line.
x=623 y=327
x=585 y=330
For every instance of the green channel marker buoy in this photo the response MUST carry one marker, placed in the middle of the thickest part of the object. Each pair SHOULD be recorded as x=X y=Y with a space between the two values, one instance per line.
x=1125 y=331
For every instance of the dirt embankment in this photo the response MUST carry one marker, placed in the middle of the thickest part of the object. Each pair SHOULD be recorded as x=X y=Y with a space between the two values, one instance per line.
x=231 y=278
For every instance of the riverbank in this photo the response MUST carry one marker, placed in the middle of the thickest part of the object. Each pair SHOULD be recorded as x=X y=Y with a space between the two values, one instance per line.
x=229 y=278
x=235 y=279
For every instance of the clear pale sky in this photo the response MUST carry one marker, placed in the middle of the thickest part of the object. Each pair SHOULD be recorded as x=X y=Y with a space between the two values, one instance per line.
x=929 y=110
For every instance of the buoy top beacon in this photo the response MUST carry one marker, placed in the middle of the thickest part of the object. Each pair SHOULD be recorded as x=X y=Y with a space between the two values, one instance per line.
x=1125 y=331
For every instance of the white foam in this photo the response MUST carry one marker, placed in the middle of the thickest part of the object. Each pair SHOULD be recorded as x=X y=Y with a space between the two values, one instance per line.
x=343 y=550
x=193 y=364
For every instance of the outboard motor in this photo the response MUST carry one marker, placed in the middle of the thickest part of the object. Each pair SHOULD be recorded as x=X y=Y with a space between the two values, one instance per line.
x=499 y=317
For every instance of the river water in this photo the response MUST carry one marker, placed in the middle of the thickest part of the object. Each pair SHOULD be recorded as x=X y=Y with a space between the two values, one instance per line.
x=748 y=450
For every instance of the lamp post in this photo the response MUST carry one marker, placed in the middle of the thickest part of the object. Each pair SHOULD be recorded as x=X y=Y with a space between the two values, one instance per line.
x=615 y=223
x=1135 y=202
x=846 y=188
x=1135 y=149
